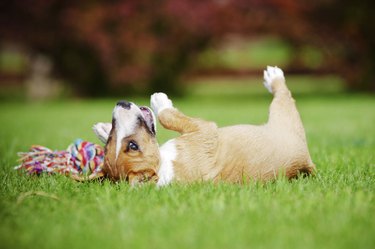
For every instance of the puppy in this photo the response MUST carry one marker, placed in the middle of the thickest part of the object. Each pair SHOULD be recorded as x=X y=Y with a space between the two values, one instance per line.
x=204 y=151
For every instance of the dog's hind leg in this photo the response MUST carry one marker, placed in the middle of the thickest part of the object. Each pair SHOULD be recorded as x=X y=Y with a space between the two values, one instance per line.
x=284 y=118
x=283 y=112
x=172 y=119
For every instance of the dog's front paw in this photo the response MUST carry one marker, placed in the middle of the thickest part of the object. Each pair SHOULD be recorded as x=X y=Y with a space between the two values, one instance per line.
x=159 y=102
x=270 y=75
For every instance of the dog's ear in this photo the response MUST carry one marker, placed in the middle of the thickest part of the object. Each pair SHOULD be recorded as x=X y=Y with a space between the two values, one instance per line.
x=150 y=119
x=102 y=131
x=143 y=176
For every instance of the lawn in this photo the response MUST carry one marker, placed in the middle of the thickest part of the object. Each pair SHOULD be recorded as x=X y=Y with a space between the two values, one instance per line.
x=334 y=209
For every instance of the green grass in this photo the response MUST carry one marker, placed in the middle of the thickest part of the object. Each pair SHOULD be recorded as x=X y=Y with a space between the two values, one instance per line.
x=334 y=209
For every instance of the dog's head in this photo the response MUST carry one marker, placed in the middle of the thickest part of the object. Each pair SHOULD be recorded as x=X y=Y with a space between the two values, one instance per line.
x=131 y=150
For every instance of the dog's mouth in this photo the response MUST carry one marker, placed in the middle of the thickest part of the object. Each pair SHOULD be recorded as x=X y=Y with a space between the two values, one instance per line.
x=149 y=118
x=127 y=115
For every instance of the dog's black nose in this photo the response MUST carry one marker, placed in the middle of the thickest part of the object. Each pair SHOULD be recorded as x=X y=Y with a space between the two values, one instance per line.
x=124 y=104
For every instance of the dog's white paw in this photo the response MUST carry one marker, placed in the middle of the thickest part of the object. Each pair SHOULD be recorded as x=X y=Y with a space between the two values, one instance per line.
x=160 y=102
x=102 y=131
x=270 y=75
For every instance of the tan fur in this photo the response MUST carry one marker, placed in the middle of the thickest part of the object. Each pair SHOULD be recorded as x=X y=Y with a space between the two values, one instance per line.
x=241 y=152
x=205 y=152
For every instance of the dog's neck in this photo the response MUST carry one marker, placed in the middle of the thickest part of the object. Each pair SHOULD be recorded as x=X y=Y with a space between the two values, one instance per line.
x=168 y=154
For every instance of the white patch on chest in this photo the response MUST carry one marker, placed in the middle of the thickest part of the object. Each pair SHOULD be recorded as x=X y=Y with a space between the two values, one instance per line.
x=168 y=154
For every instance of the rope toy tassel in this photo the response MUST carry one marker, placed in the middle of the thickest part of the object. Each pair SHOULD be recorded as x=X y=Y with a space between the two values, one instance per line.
x=81 y=161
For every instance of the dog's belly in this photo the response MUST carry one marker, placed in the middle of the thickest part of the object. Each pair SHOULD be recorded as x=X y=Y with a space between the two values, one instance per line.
x=259 y=152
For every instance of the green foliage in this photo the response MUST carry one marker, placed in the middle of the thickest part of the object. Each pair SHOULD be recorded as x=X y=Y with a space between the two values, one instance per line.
x=245 y=54
x=334 y=209
x=11 y=61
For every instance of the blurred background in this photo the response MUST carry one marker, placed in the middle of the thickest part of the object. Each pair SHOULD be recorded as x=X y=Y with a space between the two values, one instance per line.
x=64 y=48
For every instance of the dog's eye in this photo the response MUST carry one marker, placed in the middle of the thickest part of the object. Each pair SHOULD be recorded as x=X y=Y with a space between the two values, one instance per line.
x=133 y=146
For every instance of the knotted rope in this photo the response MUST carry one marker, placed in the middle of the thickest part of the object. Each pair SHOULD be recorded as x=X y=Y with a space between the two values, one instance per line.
x=81 y=161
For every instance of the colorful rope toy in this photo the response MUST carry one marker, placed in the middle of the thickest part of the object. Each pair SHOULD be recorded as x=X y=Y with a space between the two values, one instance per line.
x=81 y=161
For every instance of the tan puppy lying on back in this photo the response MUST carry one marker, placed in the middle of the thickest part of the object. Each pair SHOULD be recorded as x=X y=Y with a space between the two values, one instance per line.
x=204 y=151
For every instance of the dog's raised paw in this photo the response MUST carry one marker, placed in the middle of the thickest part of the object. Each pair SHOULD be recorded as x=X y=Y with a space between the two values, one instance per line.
x=270 y=74
x=159 y=102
